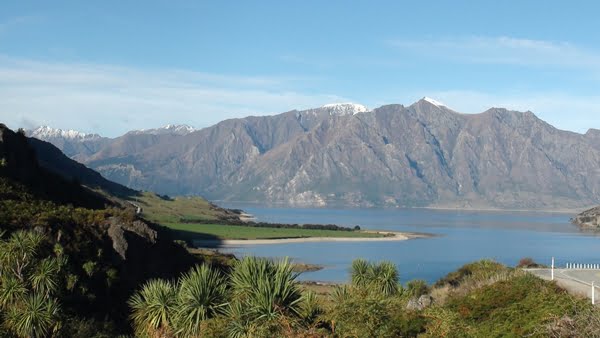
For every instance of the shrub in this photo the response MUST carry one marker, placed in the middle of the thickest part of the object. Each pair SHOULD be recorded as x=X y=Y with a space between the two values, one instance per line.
x=201 y=295
x=265 y=295
x=153 y=308
x=90 y=268
x=528 y=263
x=359 y=313
x=516 y=306
x=417 y=288
x=30 y=278
x=481 y=269
x=310 y=309
x=380 y=277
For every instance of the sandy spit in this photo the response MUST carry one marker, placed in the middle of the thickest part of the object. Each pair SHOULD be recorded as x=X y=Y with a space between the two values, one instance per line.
x=390 y=236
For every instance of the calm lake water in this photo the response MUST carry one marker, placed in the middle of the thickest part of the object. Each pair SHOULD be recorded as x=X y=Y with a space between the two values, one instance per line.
x=464 y=236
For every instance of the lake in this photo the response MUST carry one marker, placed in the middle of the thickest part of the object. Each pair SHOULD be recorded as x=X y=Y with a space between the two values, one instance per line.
x=463 y=237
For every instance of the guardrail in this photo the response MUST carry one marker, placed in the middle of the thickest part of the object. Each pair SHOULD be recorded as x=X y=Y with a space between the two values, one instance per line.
x=582 y=266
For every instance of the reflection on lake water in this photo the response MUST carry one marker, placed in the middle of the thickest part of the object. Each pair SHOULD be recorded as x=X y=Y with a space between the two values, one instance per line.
x=464 y=236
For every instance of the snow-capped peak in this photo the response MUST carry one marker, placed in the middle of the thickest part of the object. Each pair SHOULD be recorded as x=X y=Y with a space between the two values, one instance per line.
x=46 y=132
x=347 y=108
x=177 y=129
x=434 y=102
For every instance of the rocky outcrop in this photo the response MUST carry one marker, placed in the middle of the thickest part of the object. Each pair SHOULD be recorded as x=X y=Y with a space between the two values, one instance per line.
x=588 y=219
x=419 y=304
x=119 y=231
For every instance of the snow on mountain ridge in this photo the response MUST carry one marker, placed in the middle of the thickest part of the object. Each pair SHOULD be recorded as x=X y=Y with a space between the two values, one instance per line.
x=178 y=129
x=46 y=132
x=434 y=102
x=347 y=108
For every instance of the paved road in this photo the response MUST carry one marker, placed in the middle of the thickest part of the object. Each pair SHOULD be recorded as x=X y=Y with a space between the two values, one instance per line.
x=573 y=280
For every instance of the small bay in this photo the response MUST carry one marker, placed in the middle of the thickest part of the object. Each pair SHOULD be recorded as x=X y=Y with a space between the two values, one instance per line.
x=460 y=237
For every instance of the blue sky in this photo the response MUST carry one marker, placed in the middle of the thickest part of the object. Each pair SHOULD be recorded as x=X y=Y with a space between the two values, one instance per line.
x=112 y=66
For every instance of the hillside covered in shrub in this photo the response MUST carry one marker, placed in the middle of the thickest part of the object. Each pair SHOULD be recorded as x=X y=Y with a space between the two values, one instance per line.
x=95 y=250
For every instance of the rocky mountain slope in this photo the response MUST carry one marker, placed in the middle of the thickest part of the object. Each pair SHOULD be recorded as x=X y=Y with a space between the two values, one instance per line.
x=345 y=154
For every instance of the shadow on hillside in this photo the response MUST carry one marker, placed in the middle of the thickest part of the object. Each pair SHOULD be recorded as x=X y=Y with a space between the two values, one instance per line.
x=195 y=239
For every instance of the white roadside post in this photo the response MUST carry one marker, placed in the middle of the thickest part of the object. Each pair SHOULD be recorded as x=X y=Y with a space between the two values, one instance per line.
x=593 y=294
x=552 y=268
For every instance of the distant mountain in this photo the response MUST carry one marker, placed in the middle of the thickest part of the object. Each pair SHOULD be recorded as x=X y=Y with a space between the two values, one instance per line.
x=45 y=132
x=73 y=143
x=425 y=154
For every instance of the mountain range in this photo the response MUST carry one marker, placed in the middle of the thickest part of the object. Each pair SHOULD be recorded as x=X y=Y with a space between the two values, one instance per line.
x=422 y=155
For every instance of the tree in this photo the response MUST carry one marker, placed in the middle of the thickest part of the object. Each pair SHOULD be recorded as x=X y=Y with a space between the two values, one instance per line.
x=153 y=309
x=265 y=296
x=161 y=308
x=29 y=281
x=35 y=315
x=202 y=295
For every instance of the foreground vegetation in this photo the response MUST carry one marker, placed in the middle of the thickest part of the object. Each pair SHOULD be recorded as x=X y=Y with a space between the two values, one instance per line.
x=261 y=298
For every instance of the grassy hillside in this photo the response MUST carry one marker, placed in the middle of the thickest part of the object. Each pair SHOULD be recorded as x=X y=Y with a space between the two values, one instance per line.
x=166 y=210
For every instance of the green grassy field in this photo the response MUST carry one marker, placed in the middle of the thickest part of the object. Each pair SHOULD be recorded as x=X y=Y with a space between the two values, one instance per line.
x=169 y=212
x=244 y=232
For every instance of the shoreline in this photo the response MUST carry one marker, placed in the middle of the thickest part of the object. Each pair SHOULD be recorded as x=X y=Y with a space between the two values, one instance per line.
x=433 y=207
x=388 y=236
x=542 y=211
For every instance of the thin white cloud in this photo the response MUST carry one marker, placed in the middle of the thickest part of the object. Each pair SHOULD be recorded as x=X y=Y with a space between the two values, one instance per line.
x=112 y=100
x=503 y=50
